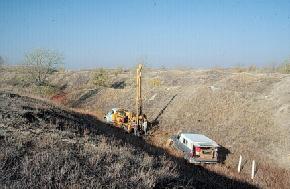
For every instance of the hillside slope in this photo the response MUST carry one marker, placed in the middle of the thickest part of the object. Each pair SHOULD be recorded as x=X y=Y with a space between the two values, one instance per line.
x=43 y=145
x=247 y=113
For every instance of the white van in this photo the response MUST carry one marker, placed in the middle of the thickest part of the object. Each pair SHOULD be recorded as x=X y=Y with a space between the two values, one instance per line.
x=197 y=148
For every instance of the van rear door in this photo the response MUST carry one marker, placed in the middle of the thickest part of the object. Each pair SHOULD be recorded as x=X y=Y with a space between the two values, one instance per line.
x=208 y=153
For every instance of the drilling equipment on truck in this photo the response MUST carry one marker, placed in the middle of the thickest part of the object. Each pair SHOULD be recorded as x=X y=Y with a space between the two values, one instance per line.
x=128 y=120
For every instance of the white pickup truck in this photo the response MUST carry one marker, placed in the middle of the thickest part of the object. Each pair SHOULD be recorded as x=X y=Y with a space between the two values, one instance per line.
x=196 y=148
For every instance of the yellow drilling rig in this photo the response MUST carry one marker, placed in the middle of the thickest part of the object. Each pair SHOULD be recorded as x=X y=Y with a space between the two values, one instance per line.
x=130 y=121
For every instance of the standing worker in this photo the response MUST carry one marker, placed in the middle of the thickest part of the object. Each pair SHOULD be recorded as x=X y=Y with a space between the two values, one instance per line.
x=145 y=124
x=135 y=126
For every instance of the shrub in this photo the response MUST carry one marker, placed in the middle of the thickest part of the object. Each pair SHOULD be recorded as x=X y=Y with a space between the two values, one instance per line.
x=46 y=90
x=100 y=78
x=155 y=82
x=284 y=68
x=18 y=80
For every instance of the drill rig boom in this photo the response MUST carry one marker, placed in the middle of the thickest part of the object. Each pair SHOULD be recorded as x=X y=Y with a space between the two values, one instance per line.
x=138 y=92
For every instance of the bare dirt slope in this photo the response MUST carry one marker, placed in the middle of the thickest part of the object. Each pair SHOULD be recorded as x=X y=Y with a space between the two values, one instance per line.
x=43 y=145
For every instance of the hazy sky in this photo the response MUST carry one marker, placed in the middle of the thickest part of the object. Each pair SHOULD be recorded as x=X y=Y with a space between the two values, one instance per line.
x=161 y=32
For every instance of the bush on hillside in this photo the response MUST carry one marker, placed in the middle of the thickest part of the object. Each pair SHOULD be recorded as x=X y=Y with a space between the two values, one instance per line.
x=155 y=82
x=100 y=78
x=284 y=68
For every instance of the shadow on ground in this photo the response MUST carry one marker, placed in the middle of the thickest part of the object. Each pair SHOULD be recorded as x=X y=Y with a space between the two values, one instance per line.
x=155 y=122
x=223 y=153
x=118 y=85
x=83 y=97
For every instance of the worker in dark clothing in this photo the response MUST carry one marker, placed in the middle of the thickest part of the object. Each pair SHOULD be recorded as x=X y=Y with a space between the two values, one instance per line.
x=135 y=126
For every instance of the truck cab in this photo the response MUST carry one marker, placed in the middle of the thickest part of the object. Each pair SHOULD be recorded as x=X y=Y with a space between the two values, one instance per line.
x=121 y=118
x=116 y=116
x=196 y=148
x=109 y=116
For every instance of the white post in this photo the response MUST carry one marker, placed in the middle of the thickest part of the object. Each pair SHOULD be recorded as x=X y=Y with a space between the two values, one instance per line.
x=253 y=169
x=240 y=163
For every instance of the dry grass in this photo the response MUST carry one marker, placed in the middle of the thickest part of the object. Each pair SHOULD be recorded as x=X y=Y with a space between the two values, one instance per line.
x=46 y=161
x=238 y=109
x=36 y=153
x=47 y=146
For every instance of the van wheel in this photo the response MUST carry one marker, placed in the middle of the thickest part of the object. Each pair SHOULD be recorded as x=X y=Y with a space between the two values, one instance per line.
x=186 y=162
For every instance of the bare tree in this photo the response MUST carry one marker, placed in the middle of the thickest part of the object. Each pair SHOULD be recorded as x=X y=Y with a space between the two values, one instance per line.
x=1 y=61
x=41 y=63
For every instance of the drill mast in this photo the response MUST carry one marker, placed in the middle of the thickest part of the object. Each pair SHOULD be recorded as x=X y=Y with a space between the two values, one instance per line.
x=138 y=92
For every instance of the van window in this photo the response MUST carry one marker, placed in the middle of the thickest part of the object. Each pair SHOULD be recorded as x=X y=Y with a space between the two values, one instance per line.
x=207 y=150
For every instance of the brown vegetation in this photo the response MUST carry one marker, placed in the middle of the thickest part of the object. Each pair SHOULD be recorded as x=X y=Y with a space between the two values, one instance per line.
x=245 y=111
x=46 y=146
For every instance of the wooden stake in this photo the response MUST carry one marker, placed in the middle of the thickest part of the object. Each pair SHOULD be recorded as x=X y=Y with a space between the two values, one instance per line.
x=253 y=169
x=240 y=163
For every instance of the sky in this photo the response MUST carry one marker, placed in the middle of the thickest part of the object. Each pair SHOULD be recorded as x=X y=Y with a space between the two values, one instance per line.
x=167 y=33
